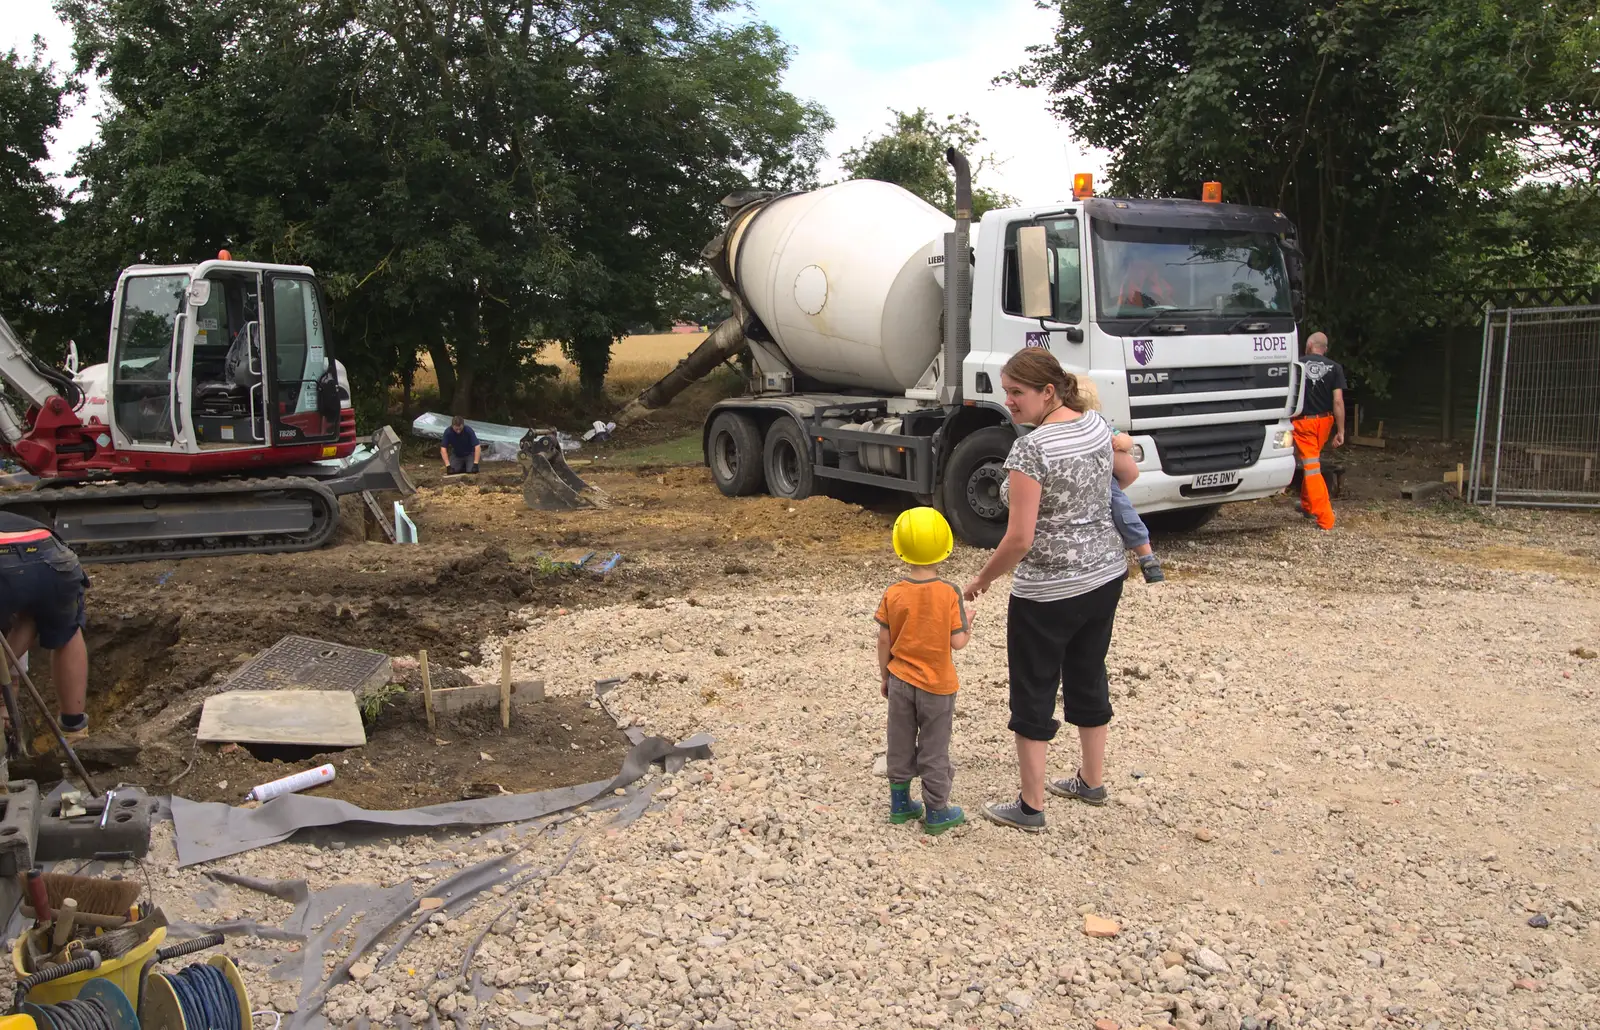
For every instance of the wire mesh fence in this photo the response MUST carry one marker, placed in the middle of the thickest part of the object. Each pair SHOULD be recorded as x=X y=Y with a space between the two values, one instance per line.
x=1537 y=441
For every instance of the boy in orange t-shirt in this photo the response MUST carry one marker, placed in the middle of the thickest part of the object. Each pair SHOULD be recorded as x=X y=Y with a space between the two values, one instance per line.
x=921 y=623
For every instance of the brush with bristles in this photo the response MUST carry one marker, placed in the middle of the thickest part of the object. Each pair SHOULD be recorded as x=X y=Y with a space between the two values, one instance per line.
x=97 y=895
x=114 y=944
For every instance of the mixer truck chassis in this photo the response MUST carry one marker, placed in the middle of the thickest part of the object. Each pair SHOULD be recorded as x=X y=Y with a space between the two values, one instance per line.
x=791 y=446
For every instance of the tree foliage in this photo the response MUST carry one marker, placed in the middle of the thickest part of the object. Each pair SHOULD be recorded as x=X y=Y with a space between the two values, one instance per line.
x=911 y=153
x=1399 y=137
x=31 y=104
x=469 y=178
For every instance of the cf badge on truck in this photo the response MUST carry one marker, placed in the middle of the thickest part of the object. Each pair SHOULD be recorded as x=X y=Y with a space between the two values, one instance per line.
x=1144 y=351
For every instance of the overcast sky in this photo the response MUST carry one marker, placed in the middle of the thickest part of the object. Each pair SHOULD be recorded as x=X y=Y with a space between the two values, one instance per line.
x=858 y=58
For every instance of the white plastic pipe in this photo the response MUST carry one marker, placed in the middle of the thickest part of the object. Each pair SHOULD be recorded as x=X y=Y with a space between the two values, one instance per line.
x=291 y=784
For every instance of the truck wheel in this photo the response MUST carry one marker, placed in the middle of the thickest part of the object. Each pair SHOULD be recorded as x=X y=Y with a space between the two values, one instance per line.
x=733 y=452
x=787 y=461
x=1181 y=520
x=972 y=486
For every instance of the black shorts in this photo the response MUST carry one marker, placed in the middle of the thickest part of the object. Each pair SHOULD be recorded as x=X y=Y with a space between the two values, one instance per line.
x=44 y=582
x=1060 y=647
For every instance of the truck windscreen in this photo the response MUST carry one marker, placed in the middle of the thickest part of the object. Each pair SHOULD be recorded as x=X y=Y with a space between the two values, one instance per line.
x=1142 y=270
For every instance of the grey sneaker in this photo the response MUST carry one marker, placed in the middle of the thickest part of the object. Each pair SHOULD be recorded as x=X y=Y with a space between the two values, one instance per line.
x=1011 y=814
x=1074 y=787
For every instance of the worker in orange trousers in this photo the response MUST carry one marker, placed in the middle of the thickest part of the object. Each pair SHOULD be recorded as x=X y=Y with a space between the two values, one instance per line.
x=1321 y=418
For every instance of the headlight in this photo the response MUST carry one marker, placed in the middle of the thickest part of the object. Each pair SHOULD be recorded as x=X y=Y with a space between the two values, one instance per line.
x=1137 y=454
x=1284 y=440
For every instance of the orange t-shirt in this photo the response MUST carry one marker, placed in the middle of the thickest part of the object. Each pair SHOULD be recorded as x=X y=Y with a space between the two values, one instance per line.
x=922 y=616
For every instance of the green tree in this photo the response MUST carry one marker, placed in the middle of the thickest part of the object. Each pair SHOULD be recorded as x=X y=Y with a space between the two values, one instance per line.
x=1393 y=135
x=470 y=178
x=31 y=103
x=911 y=153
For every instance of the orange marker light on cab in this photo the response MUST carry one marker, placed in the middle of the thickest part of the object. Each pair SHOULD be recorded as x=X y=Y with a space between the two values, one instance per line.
x=223 y=255
x=1211 y=193
x=1082 y=185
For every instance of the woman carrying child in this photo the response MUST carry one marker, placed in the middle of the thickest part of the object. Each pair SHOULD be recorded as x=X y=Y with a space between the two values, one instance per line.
x=1069 y=566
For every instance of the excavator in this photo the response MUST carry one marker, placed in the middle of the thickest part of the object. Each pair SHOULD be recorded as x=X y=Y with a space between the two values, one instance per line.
x=220 y=422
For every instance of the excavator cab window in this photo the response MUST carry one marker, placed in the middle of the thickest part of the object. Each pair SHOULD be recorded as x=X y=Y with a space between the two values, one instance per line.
x=227 y=373
x=148 y=333
x=297 y=340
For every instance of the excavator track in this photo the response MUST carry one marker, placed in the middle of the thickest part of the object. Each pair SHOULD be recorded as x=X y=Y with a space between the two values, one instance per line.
x=128 y=522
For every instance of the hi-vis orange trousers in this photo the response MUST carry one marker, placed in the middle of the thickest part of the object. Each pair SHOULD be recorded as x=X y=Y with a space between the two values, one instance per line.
x=1310 y=436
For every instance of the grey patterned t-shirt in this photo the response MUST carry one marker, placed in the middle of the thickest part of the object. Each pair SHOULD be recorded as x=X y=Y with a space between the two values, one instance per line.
x=1075 y=544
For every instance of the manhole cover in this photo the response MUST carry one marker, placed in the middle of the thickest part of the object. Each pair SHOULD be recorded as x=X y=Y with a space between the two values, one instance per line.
x=303 y=663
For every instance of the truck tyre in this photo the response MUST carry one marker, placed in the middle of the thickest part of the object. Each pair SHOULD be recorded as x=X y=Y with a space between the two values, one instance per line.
x=1181 y=520
x=972 y=486
x=787 y=461
x=733 y=453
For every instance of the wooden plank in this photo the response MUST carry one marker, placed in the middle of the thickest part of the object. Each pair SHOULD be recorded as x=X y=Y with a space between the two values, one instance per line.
x=505 y=686
x=1562 y=452
x=427 y=691
x=449 y=700
x=327 y=718
x=376 y=514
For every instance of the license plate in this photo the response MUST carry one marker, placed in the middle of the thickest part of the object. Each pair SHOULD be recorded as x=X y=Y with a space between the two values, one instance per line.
x=1215 y=479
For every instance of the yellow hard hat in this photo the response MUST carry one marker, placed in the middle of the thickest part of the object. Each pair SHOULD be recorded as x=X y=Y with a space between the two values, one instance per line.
x=922 y=537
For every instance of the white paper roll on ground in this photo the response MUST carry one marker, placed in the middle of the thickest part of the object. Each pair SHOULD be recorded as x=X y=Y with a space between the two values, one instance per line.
x=292 y=784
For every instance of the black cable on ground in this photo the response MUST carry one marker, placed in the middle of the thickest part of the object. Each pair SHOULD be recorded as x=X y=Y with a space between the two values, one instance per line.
x=515 y=887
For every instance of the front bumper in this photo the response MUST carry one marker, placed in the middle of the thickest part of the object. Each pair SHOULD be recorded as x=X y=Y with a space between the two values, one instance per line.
x=1154 y=490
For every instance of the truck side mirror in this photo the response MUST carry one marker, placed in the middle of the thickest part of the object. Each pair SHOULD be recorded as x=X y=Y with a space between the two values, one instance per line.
x=1033 y=272
x=1294 y=265
x=199 y=293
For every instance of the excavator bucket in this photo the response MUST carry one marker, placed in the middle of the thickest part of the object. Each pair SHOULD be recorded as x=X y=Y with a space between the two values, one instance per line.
x=549 y=483
x=374 y=467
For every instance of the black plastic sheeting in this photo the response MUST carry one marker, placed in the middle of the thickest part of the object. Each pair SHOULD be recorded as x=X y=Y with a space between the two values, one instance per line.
x=207 y=831
x=371 y=913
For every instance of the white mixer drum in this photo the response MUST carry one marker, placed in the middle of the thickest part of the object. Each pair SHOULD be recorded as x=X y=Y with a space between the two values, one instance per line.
x=841 y=278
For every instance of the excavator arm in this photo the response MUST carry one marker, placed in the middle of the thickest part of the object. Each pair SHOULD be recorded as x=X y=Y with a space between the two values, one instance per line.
x=22 y=372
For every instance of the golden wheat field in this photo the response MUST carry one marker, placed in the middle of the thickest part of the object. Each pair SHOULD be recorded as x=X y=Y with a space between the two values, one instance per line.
x=634 y=360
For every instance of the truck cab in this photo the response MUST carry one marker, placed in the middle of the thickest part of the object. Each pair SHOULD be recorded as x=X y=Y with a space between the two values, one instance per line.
x=1182 y=313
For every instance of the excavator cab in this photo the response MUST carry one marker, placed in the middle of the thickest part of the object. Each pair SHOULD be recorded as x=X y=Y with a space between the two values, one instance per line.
x=222 y=356
x=220 y=418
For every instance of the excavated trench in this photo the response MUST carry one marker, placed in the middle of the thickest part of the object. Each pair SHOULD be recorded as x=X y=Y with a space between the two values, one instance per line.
x=162 y=638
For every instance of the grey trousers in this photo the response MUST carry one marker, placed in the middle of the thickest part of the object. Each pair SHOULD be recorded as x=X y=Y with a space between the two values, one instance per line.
x=919 y=740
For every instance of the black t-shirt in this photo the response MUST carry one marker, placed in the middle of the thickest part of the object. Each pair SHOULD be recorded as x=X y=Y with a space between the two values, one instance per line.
x=10 y=522
x=462 y=443
x=1323 y=376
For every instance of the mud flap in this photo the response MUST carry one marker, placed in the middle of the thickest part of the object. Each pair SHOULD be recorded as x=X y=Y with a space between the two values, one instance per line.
x=549 y=484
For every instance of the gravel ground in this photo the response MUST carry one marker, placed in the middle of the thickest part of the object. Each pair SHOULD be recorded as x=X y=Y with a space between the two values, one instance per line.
x=1353 y=782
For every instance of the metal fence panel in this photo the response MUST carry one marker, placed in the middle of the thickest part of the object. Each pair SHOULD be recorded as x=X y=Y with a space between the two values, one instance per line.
x=1537 y=441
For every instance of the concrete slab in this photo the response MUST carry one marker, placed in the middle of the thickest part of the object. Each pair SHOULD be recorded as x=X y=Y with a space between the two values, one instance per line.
x=323 y=718
x=1423 y=491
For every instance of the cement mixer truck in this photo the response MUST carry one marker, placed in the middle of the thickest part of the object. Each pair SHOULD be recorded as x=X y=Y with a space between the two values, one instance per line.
x=875 y=328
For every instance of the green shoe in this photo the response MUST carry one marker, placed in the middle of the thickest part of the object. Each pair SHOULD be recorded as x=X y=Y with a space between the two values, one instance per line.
x=939 y=821
x=901 y=808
